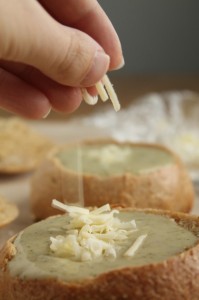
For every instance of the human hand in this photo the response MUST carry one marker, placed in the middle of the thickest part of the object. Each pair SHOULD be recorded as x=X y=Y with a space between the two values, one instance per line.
x=49 y=50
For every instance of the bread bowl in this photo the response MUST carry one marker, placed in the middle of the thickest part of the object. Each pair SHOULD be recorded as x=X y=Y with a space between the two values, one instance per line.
x=154 y=178
x=166 y=266
x=22 y=148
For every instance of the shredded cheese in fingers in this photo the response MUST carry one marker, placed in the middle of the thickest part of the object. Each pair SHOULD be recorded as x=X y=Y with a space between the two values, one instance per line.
x=103 y=93
x=111 y=92
x=91 y=100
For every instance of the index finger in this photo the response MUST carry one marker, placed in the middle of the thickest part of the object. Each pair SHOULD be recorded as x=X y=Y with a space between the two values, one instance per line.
x=89 y=17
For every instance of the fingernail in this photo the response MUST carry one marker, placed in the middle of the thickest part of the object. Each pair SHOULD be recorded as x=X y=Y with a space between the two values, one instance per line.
x=121 y=65
x=46 y=115
x=99 y=67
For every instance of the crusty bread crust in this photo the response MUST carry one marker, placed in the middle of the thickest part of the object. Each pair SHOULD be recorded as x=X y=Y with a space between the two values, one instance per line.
x=174 y=279
x=22 y=148
x=167 y=188
x=8 y=212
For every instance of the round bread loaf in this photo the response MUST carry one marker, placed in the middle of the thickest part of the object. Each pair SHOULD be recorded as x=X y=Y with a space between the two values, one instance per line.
x=99 y=172
x=22 y=148
x=166 y=265
x=8 y=212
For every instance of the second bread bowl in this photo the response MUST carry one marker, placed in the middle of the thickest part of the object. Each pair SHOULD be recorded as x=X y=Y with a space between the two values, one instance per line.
x=99 y=172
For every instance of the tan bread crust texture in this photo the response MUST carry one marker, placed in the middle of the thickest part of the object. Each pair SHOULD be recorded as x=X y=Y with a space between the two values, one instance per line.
x=22 y=148
x=167 y=188
x=174 y=279
x=8 y=212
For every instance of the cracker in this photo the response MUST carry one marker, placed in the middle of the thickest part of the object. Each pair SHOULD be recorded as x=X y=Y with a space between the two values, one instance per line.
x=22 y=148
x=8 y=212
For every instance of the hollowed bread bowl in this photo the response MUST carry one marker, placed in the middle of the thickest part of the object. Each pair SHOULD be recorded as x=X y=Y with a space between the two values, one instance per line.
x=99 y=172
x=172 y=276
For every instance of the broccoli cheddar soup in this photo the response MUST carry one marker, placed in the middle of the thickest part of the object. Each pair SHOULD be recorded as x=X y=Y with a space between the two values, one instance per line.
x=106 y=160
x=77 y=246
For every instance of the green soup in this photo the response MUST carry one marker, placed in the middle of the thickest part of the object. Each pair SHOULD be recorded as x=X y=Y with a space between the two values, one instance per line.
x=109 y=159
x=165 y=238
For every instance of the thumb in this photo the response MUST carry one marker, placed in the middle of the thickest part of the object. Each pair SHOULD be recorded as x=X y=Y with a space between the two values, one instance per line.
x=64 y=54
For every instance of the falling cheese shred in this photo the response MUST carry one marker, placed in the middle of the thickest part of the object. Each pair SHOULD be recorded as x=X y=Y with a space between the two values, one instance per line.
x=92 y=234
x=105 y=91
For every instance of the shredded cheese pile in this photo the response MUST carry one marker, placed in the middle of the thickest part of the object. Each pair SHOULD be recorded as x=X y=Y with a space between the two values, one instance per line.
x=105 y=90
x=92 y=234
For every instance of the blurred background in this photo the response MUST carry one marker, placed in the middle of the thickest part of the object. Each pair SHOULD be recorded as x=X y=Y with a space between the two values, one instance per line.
x=160 y=42
x=157 y=36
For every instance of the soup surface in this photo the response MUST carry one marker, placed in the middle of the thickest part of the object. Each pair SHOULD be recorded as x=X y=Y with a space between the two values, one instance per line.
x=109 y=159
x=34 y=259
